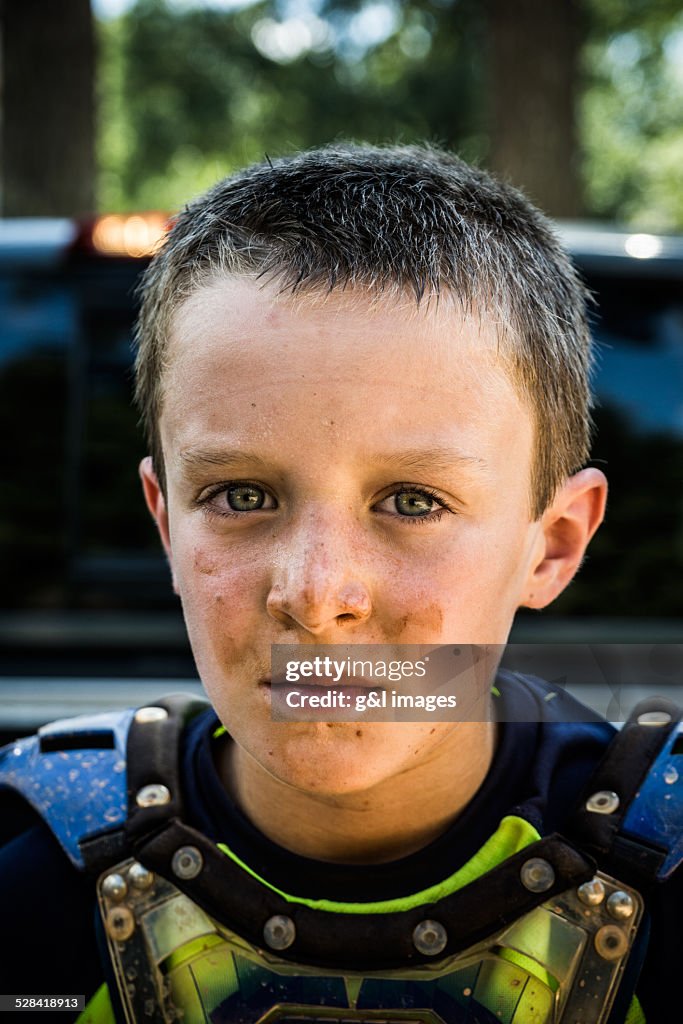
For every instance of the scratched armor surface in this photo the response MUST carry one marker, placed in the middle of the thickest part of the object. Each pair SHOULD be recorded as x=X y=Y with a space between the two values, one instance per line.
x=77 y=792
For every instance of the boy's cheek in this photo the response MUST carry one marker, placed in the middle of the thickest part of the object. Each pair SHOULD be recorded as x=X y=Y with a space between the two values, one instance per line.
x=218 y=595
x=420 y=619
x=206 y=563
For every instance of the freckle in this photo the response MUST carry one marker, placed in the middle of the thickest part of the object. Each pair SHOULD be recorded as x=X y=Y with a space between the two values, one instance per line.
x=431 y=731
x=359 y=732
x=328 y=724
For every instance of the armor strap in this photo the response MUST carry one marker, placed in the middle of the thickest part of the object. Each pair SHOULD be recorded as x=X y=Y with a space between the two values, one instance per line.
x=357 y=941
x=603 y=822
x=153 y=759
x=152 y=766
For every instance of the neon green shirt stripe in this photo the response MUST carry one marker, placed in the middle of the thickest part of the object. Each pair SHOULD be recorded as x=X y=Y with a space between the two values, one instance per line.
x=512 y=835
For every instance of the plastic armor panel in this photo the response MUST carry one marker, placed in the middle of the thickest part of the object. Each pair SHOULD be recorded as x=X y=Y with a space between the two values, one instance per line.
x=73 y=773
x=560 y=962
x=655 y=816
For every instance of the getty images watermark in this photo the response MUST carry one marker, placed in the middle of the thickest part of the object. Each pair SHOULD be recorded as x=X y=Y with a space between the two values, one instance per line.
x=470 y=682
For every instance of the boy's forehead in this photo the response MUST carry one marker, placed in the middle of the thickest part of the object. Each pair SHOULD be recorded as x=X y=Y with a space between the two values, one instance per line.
x=257 y=378
x=234 y=318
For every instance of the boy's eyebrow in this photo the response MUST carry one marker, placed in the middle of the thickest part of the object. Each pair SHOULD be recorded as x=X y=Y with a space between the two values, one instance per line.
x=219 y=457
x=440 y=459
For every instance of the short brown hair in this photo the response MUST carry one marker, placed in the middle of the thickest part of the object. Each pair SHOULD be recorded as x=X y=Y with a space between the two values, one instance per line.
x=407 y=219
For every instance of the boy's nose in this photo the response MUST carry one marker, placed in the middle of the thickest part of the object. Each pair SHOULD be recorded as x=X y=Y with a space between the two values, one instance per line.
x=318 y=588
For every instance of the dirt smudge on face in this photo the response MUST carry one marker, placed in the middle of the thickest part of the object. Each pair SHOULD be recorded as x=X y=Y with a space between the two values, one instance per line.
x=203 y=563
x=424 y=621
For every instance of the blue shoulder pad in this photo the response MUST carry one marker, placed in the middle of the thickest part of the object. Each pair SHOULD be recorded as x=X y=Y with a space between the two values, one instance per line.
x=73 y=773
x=655 y=815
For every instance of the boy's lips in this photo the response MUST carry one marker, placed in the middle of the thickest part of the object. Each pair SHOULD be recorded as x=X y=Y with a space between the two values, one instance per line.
x=320 y=699
x=345 y=693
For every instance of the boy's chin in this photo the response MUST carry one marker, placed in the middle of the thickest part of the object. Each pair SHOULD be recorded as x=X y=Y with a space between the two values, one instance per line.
x=335 y=765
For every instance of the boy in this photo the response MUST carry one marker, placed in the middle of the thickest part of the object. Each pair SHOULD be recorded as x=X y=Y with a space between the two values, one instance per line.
x=364 y=377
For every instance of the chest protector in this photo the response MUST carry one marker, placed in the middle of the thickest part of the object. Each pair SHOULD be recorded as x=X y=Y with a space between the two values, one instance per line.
x=194 y=935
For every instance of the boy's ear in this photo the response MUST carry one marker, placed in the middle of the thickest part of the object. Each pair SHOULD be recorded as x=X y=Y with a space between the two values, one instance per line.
x=566 y=528
x=156 y=503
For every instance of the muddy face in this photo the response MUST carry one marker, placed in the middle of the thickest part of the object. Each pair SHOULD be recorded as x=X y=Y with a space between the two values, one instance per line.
x=340 y=470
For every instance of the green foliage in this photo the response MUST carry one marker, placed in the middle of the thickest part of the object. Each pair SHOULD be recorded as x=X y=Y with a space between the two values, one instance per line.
x=631 y=112
x=186 y=96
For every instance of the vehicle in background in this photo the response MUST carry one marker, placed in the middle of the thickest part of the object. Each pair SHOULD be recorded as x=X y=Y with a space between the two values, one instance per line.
x=87 y=614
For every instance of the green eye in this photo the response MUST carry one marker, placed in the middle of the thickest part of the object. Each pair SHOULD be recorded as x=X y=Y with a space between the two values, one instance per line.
x=245 y=498
x=414 y=503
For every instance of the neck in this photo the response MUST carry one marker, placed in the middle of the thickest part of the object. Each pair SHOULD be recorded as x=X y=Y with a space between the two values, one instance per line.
x=392 y=819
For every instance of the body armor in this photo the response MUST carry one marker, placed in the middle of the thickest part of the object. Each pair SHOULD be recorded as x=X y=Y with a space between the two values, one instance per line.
x=543 y=936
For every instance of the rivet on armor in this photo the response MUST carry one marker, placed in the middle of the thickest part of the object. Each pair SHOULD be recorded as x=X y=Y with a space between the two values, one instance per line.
x=114 y=887
x=620 y=905
x=153 y=795
x=139 y=877
x=654 y=718
x=187 y=862
x=603 y=802
x=279 y=931
x=537 y=875
x=610 y=942
x=150 y=714
x=591 y=893
x=120 y=924
x=430 y=938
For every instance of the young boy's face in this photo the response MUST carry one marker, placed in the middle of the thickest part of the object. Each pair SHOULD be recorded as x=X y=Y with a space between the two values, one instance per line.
x=341 y=470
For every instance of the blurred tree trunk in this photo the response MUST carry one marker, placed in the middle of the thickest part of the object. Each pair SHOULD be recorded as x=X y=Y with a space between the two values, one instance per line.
x=48 y=117
x=534 y=77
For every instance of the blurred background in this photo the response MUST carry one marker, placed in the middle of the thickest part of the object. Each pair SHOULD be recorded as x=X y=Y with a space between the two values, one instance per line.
x=113 y=113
